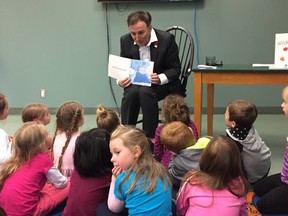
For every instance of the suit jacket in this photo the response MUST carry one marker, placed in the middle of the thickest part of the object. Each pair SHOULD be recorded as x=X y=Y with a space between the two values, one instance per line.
x=165 y=57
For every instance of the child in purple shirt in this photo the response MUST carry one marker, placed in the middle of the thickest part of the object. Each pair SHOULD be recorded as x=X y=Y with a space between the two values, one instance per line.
x=174 y=108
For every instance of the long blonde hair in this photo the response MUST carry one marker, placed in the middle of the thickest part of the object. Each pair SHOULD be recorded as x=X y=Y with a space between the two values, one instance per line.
x=27 y=142
x=68 y=119
x=145 y=164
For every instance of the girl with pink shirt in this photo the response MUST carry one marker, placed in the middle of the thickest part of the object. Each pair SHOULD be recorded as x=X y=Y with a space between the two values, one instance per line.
x=219 y=188
x=69 y=118
x=23 y=179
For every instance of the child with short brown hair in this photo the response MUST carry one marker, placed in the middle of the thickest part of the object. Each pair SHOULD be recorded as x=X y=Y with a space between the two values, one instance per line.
x=36 y=112
x=239 y=117
x=174 y=108
x=178 y=138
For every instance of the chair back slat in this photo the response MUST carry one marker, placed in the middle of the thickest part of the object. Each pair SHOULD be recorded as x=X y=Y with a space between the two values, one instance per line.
x=185 y=44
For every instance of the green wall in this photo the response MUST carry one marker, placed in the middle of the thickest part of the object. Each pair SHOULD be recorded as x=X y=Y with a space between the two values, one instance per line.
x=61 y=46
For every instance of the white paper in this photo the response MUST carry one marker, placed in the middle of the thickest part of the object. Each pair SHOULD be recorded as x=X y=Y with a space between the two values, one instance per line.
x=281 y=50
x=138 y=70
x=206 y=67
x=277 y=67
x=262 y=65
x=118 y=67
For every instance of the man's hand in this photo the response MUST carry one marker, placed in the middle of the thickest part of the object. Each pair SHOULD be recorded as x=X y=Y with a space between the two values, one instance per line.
x=124 y=82
x=155 y=79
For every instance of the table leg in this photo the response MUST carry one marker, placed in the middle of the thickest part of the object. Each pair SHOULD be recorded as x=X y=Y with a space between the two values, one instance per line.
x=198 y=101
x=210 y=108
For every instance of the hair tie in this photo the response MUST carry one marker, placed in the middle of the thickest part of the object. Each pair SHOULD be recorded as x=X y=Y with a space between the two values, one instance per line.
x=35 y=120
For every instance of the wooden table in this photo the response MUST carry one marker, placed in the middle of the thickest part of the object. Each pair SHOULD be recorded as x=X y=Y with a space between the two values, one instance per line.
x=229 y=74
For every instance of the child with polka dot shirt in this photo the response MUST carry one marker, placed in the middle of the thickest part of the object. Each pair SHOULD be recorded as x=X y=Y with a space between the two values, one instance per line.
x=239 y=118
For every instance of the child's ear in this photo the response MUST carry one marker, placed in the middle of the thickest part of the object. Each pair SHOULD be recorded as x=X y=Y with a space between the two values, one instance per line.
x=233 y=124
x=137 y=151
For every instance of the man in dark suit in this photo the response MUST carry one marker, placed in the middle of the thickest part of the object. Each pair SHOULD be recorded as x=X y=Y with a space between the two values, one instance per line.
x=146 y=43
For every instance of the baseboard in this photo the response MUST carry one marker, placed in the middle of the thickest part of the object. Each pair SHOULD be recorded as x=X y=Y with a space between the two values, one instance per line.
x=217 y=110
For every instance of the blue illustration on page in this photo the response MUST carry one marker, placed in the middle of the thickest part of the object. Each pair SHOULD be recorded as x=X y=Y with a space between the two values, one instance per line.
x=140 y=72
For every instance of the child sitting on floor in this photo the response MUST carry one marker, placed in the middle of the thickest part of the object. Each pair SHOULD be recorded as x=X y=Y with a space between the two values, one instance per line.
x=69 y=118
x=239 y=117
x=178 y=138
x=273 y=190
x=139 y=182
x=174 y=108
x=23 y=179
x=219 y=187
x=90 y=181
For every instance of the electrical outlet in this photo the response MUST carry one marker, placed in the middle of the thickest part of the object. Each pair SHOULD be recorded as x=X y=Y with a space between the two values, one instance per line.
x=43 y=93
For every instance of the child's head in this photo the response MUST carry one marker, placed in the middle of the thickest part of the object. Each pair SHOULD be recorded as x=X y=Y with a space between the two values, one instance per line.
x=69 y=117
x=36 y=112
x=131 y=151
x=220 y=164
x=175 y=108
x=176 y=136
x=221 y=159
x=92 y=155
x=4 y=107
x=127 y=145
x=240 y=113
x=284 y=105
x=107 y=119
x=31 y=139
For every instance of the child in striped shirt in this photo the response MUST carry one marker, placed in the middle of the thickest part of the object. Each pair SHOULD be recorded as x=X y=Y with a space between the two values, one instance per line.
x=273 y=190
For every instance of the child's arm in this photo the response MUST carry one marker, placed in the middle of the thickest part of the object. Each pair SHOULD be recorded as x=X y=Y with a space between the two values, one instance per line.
x=56 y=177
x=115 y=205
x=158 y=146
x=5 y=146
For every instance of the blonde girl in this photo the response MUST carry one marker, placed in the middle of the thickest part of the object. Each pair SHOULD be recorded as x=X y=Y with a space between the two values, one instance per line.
x=36 y=112
x=23 y=178
x=69 y=118
x=5 y=139
x=107 y=119
x=138 y=181
x=219 y=188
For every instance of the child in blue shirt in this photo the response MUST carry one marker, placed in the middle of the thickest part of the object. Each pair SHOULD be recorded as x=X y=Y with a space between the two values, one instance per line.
x=139 y=182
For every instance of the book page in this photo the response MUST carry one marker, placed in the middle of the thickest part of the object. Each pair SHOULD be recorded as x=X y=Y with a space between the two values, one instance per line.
x=138 y=70
x=118 y=67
